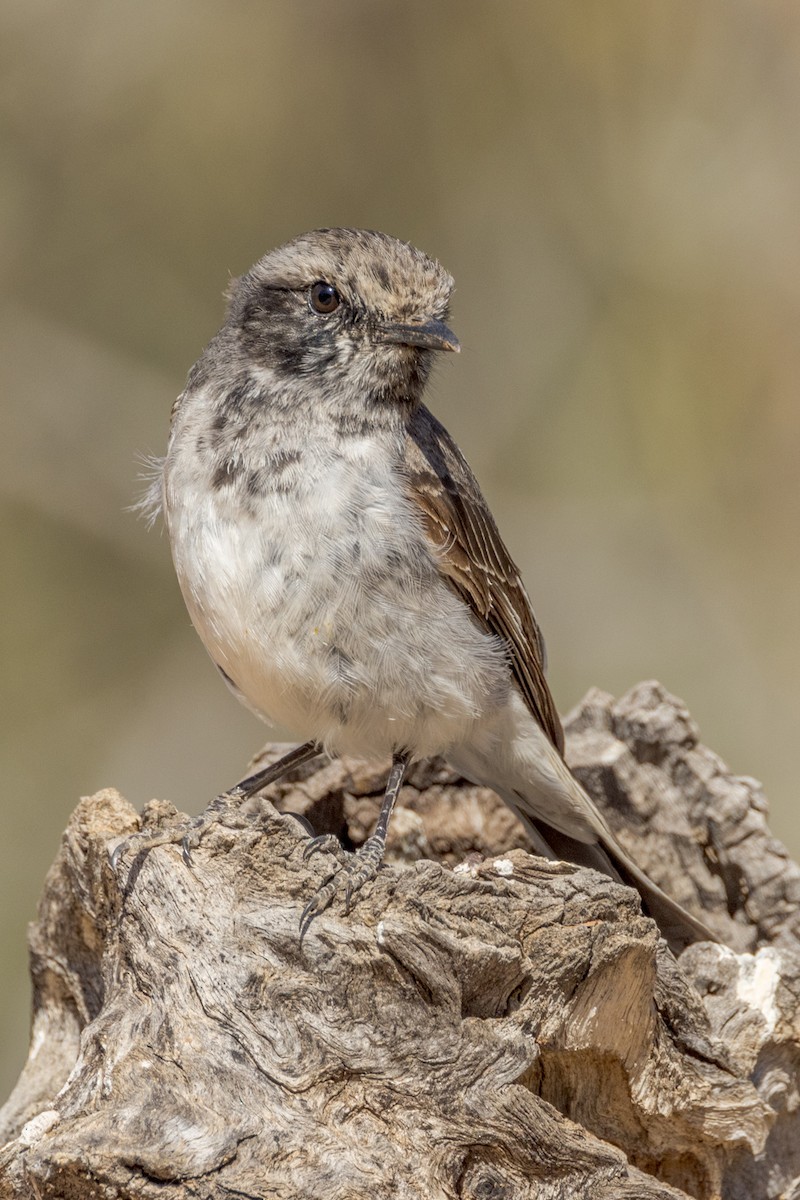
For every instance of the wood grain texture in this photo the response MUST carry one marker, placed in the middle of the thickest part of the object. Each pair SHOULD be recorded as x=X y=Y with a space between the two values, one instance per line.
x=511 y=1028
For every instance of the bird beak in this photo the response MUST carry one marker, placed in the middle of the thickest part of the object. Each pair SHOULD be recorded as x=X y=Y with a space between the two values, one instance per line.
x=432 y=335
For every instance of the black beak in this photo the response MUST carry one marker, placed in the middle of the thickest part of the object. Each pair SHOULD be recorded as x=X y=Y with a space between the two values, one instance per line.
x=431 y=335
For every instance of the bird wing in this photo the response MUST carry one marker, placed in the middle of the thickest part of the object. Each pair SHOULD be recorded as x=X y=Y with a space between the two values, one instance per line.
x=474 y=560
x=477 y=565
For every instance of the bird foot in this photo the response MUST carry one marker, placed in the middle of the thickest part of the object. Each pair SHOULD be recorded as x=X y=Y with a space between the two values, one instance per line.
x=355 y=869
x=222 y=810
x=187 y=834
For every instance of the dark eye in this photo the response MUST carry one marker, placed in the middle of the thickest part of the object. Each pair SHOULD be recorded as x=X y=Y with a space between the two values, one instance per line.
x=324 y=297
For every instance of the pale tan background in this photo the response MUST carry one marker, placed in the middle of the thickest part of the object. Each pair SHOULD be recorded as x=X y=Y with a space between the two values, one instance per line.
x=616 y=188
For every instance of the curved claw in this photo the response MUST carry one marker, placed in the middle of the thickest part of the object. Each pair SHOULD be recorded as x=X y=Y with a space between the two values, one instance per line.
x=116 y=854
x=318 y=902
x=356 y=868
x=324 y=841
x=139 y=843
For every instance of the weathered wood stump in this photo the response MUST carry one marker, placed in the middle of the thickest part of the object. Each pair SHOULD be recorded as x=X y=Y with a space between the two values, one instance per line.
x=512 y=1028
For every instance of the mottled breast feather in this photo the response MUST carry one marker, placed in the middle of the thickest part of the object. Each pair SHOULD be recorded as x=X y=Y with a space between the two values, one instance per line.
x=474 y=559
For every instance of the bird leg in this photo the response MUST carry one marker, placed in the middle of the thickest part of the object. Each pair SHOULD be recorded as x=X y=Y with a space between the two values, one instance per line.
x=222 y=806
x=363 y=864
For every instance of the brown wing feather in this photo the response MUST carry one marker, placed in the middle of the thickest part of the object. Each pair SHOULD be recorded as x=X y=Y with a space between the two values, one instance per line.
x=474 y=558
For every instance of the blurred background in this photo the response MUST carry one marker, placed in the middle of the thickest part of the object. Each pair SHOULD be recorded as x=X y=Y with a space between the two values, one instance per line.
x=616 y=189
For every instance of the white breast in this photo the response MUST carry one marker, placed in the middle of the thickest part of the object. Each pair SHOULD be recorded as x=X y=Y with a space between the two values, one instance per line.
x=325 y=608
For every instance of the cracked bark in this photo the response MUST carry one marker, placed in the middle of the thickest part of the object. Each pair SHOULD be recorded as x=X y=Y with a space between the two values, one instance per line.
x=511 y=1028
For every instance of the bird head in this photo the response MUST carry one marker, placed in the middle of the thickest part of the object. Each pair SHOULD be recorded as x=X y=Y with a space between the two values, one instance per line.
x=357 y=309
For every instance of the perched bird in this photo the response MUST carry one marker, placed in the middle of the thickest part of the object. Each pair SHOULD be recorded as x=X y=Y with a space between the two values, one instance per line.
x=340 y=563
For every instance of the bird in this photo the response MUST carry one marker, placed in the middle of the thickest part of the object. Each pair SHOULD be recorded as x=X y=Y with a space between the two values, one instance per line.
x=341 y=565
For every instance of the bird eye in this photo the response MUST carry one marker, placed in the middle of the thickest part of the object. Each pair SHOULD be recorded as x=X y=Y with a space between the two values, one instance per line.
x=324 y=297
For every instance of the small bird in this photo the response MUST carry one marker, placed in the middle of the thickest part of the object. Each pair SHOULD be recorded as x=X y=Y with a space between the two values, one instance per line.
x=341 y=565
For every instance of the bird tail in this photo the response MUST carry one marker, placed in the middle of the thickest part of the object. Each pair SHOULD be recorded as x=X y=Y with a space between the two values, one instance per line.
x=678 y=925
x=519 y=761
x=606 y=855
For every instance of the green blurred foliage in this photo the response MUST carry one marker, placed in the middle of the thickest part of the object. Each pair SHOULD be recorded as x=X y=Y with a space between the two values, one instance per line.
x=616 y=189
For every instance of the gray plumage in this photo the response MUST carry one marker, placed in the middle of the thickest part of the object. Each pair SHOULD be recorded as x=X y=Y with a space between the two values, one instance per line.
x=337 y=556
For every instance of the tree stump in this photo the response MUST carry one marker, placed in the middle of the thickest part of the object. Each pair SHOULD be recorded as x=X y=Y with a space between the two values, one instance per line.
x=488 y=1025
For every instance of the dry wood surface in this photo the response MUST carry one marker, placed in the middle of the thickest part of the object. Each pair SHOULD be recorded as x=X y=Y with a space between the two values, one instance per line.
x=483 y=1024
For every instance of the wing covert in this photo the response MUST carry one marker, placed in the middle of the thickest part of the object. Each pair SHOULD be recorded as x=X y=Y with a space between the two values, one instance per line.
x=474 y=558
